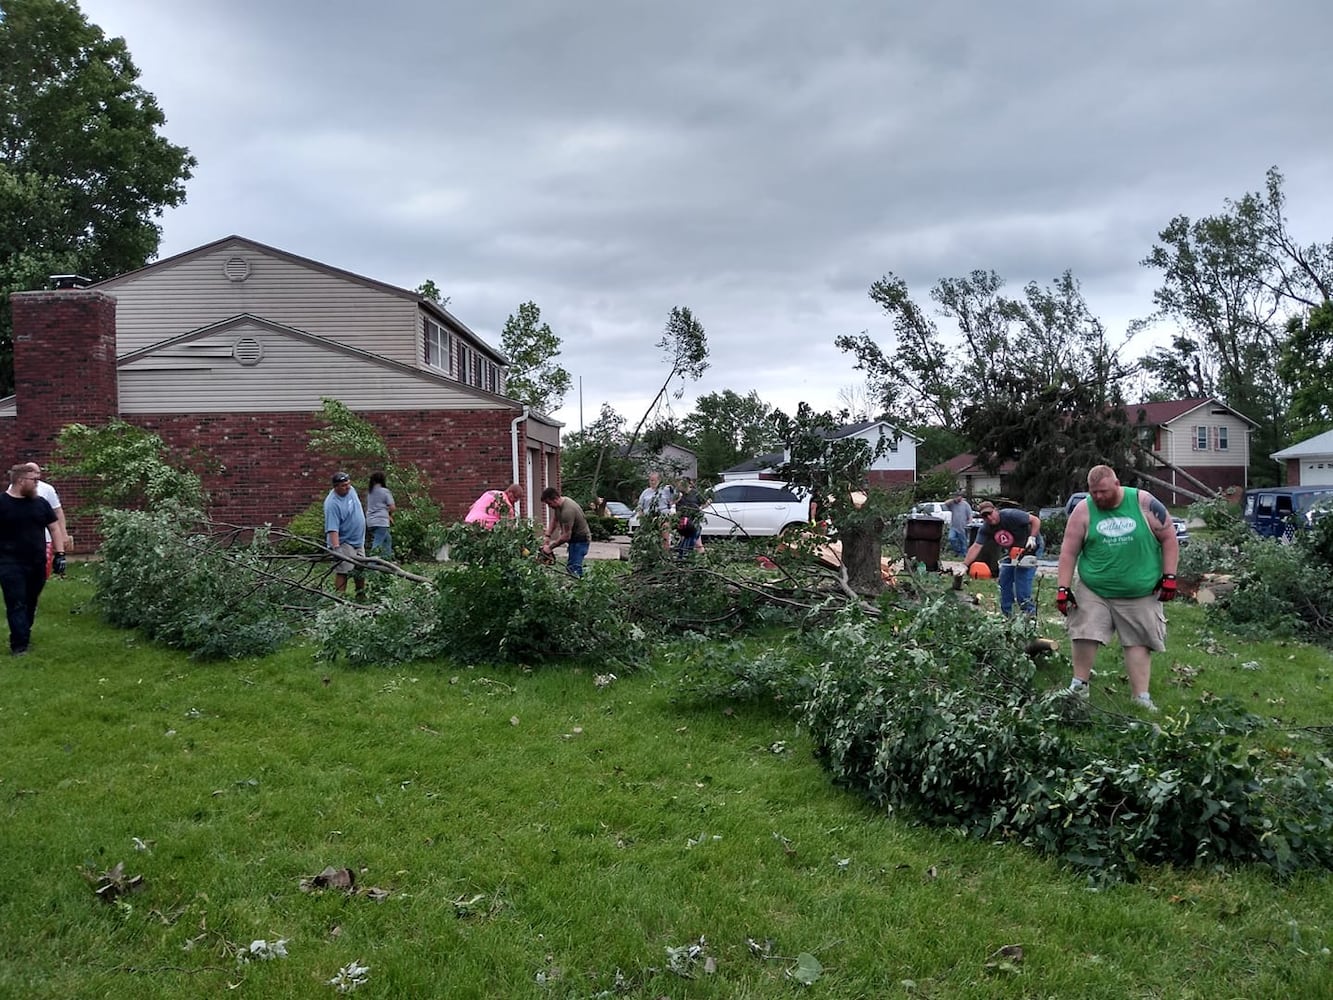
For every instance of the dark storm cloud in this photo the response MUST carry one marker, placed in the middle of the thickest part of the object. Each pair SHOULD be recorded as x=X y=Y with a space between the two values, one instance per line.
x=762 y=164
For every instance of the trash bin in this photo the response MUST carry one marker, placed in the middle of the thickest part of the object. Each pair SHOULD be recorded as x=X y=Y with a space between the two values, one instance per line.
x=922 y=542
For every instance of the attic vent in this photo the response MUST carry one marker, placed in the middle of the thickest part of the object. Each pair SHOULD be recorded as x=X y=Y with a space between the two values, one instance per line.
x=248 y=352
x=236 y=269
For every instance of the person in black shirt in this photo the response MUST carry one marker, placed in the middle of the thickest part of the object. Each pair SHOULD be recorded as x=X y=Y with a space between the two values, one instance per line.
x=24 y=520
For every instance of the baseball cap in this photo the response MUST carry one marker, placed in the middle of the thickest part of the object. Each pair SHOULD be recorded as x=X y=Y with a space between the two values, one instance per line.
x=341 y=477
x=985 y=507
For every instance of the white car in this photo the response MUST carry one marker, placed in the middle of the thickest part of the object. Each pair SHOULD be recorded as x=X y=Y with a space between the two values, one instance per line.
x=754 y=508
x=932 y=508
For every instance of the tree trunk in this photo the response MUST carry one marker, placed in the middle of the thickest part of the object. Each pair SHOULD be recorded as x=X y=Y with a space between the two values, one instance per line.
x=861 y=557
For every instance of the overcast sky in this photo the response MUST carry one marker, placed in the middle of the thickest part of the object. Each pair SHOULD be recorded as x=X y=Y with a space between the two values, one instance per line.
x=762 y=163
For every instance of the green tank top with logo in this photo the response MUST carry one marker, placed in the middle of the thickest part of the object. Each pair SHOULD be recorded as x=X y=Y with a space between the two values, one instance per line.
x=1120 y=556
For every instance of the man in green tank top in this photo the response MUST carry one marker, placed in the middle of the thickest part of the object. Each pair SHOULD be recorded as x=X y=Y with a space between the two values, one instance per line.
x=1123 y=544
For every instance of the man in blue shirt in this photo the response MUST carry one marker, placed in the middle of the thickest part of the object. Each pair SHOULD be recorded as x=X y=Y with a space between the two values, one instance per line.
x=1015 y=533
x=345 y=528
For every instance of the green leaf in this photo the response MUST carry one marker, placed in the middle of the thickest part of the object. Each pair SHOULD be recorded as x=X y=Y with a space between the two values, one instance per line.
x=807 y=970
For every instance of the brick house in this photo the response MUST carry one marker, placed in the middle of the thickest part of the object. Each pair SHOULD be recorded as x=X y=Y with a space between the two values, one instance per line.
x=227 y=351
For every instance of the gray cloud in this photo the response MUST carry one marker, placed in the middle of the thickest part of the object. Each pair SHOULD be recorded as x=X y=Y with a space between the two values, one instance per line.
x=762 y=164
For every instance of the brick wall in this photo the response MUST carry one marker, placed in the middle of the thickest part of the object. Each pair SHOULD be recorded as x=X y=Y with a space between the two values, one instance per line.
x=258 y=466
x=891 y=477
x=64 y=365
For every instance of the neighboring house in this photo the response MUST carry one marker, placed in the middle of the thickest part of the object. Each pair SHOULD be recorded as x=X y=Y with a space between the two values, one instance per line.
x=671 y=460
x=1204 y=438
x=226 y=352
x=974 y=481
x=759 y=467
x=896 y=466
x=1308 y=462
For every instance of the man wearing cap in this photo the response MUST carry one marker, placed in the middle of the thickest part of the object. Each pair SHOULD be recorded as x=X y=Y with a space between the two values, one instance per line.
x=1015 y=533
x=345 y=528
x=1123 y=544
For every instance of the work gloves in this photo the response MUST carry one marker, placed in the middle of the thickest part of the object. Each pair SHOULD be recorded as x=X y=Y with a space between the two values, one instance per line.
x=1030 y=547
x=1064 y=600
x=1166 y=587
x=58 y=564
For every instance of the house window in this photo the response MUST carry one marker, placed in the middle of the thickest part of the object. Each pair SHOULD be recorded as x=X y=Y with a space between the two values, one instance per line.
x=1201 y=439
x=464 y=359
x=1221 y=439
x=436 y=345
x=1147 y=437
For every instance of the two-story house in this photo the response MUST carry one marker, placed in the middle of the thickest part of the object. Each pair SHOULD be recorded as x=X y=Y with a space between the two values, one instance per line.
x=228 y=350
x=1198 y=444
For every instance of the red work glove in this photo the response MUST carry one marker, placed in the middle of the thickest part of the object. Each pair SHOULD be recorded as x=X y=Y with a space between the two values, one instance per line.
x=1166 y=588
x=1064 y=600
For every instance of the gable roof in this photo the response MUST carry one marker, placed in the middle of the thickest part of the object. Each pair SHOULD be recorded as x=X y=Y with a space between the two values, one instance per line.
x=760 y=463
x=1320 y=444
x=1170 y=410
x=967 y=462
x=642 y=449
x=848 y=430
x=430 y=306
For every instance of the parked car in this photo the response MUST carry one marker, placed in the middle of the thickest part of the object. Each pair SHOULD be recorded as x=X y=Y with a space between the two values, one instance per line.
x=1277 y=511
x=621 y=511
x=1182 y=531
x=1319 y=510
x=932 y=508
x=755 y=507
x=1074 y=500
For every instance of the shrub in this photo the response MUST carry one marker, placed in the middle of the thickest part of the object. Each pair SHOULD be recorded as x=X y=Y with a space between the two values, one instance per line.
x=495 y=603
x=158 y=573
x=941 y=719
x=400 y=625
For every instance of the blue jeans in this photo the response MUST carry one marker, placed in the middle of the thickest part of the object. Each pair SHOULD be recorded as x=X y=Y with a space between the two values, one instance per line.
x=382 y=540
x=958 y=541
x=577 y=551
x=685 y=545
x=1016 y=585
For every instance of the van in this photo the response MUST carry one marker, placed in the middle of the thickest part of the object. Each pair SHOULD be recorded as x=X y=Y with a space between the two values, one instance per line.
x=1277 y=511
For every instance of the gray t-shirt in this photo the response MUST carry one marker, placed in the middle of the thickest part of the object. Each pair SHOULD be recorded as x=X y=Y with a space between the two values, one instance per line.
x=378 y=502
x=960 y=512
x=657 y=501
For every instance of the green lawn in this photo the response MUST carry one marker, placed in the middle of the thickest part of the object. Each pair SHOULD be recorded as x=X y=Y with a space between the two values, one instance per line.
x=540 y=836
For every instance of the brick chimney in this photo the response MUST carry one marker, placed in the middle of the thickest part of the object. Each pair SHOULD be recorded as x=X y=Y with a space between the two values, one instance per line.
x=64 y=365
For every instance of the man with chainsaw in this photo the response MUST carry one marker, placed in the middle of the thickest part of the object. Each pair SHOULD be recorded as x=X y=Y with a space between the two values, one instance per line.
x=1123 y=544
x=1015 y=533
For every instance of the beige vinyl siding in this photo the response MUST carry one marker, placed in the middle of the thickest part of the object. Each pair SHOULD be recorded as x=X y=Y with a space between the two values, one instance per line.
x=201 y=376
x=164 y=302
x=1178 y=440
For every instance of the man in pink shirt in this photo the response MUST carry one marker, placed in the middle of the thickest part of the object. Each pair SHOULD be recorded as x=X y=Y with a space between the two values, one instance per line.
x=493 y=505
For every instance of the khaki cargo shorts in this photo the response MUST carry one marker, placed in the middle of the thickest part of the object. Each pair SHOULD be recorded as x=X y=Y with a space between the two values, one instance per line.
x=1138 y=621
x=348 y=549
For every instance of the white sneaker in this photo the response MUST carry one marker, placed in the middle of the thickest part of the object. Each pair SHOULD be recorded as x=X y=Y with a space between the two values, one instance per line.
x=1145 y=701
x=1080 y=689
